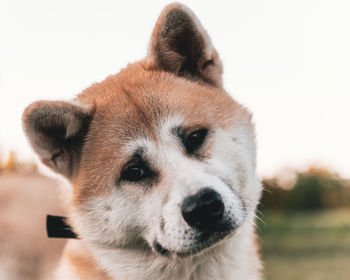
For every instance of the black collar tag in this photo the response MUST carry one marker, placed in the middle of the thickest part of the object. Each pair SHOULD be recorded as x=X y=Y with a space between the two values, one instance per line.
x=57 y=227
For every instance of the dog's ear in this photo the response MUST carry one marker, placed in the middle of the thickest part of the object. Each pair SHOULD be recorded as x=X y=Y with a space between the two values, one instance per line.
x=56 y=131
x=180 y=45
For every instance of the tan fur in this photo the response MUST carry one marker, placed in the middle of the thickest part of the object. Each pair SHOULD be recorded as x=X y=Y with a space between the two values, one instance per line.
x=84 y=264
x=86 y=141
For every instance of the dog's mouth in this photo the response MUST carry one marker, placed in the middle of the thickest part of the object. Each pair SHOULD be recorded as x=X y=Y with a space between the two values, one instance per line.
x=204 y=235
x=203 y=241
x=161 y=250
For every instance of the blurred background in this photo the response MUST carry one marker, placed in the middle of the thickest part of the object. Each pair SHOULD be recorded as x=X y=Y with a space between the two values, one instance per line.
x=287 y=61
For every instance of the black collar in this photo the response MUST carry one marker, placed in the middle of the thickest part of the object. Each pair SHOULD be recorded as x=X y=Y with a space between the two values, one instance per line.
x=57 y=227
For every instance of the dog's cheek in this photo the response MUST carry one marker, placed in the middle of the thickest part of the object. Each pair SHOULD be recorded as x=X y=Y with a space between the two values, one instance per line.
x=245 y=167
x=226 y=161
x=113 y=219
x=151 y=213
x=233 y=161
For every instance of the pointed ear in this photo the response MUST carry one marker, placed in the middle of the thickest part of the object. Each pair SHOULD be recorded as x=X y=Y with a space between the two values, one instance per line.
x=56 y=131
x=180 y=45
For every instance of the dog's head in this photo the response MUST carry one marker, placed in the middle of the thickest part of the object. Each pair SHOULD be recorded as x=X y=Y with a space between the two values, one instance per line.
x=158 y=155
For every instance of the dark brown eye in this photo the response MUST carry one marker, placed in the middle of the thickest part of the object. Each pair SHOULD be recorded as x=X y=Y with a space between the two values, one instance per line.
x=133 y=173
x=195 y=140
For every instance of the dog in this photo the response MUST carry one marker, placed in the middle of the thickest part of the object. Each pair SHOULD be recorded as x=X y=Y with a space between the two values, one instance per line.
x=161 y=163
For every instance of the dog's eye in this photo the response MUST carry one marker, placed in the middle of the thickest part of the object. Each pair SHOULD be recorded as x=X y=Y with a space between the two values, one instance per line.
x=134 y=173
x=195 y=139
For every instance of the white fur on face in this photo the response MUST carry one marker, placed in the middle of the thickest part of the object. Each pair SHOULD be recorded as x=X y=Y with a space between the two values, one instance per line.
x=131 y=214
x=230 y=171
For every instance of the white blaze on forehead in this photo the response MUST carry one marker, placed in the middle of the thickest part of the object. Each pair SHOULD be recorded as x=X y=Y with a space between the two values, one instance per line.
x=153 y=149
x=140 y=143
x=167 y=125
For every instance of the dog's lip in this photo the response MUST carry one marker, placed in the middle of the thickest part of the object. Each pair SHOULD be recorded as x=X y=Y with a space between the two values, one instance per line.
x=161 y=250
x=206 y=241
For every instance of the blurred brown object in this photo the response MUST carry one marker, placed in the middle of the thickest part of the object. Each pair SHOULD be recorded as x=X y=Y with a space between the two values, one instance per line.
x=25 y=251
x=11 y=163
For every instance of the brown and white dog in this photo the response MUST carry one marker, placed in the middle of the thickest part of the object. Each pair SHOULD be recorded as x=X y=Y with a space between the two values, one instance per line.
x=161 y=163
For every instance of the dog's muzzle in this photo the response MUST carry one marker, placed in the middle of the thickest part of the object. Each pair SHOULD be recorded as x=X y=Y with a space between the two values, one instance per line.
x=205 y=213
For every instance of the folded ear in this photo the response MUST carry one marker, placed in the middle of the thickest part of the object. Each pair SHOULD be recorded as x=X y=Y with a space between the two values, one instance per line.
x=180 y=45
x=56 y=131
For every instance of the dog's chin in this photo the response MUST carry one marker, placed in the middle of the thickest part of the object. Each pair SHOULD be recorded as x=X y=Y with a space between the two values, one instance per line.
x=206 y=244
x=203 y=242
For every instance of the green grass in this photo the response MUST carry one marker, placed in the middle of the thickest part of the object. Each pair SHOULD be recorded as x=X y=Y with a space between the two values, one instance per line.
x=306 y=245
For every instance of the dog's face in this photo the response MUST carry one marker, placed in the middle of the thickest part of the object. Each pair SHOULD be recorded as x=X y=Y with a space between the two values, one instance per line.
x=165 y=160
x=159 y=155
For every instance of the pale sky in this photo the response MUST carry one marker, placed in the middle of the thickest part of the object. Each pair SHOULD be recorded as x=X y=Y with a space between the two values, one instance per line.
x=287 y=61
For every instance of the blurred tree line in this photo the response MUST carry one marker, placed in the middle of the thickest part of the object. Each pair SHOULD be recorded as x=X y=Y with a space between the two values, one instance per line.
x=314 y=189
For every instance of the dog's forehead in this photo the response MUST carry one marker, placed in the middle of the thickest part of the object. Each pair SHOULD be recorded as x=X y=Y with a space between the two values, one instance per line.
x=135 y=103
x=165 y=136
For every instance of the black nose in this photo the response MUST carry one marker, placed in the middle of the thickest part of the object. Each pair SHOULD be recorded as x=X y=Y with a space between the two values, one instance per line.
x=203 y=210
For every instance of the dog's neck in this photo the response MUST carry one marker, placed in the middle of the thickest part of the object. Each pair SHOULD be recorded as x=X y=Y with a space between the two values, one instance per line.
x=232 y=259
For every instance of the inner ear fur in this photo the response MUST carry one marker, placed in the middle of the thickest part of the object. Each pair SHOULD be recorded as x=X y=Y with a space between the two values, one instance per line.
x=56 y=131
x=179 y=44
